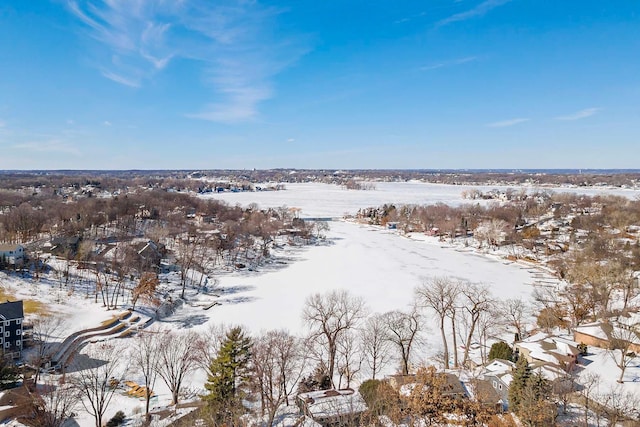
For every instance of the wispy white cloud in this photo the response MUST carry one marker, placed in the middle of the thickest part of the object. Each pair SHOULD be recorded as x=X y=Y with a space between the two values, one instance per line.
x=2 y=123
x=582 y=114
x=48 y=146
x=507 y=123
x=409 y=18
x=107 y=123
x=127 y=81
x=453 y=62
x=233 y=41
x=480 y=10
x=291 y=140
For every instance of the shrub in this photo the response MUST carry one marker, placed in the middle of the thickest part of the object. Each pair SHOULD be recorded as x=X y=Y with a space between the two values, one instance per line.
x=117 y=419
x=501 y=350
x=378 y=395
x=583 y=349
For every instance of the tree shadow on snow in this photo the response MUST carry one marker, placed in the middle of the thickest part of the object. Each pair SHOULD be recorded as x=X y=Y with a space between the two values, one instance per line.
x=189 y=321
x=80 y=362
x=237 y=300
x=235 y=289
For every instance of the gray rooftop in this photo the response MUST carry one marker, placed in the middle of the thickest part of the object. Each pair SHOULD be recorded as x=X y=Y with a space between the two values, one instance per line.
x=11 y=310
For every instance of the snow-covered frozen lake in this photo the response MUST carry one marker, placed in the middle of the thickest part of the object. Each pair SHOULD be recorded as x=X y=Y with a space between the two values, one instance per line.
x=326 y=200
x=379 y=265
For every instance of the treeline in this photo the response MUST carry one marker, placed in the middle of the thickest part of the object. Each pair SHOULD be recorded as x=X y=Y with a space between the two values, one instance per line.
x=109 y=244
x=111 y=179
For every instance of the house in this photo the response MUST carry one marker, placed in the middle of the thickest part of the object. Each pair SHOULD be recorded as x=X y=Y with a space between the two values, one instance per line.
x=547 y=349
x=11 y=254
x=451 y=384
x=332 y=407
x=598 y=334
x=396 y=381
x=487 y=395
x=11 y=318
x=497 y=374
x=149 y=254
x=66 y=247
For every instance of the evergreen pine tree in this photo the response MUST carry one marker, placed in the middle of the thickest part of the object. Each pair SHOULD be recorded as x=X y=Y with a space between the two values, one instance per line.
x=228 y=372
x=500 y=350
x=519 y=383
x=529 y=396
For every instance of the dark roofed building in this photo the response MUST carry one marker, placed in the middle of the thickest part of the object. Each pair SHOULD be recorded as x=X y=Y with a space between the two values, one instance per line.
x=11 y=318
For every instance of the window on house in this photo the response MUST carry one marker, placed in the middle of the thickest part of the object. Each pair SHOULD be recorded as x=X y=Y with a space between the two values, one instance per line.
x=6 y=345
x=495 y=384
x=18 y=321
x=18 y=343
x=6 y=334
x=500 y=386
x=18 y=332
x=7 y=322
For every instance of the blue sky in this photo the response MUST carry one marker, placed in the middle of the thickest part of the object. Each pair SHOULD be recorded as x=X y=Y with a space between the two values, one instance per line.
x=163 y=84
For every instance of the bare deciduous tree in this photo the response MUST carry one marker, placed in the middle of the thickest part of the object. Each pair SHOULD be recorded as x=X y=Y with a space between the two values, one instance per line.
x=97 y=372
x=476 y=300
x=514 y=313
x=329 y=316
x=176 y=358
x=439 y=294
x=349 y=358
x=54 y=403
x=278 y=364
x=45 y=332
x=208 y=344
x=145 y=360
x=619 y=404
x=374 y=343
x=620 y=342
x=402 y=330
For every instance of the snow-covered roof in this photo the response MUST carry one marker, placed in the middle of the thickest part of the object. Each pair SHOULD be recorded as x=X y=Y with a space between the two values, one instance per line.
x=507 y=378
x=548 y=372
x=499 y=366
x=632 y=320
x=592 y=329
x=331 y=403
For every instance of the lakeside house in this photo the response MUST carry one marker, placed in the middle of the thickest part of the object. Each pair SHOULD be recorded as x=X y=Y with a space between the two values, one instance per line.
x=548 y=350
x=599 y=334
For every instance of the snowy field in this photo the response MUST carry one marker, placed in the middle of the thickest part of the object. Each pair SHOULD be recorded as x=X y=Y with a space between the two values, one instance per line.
x=326 y=200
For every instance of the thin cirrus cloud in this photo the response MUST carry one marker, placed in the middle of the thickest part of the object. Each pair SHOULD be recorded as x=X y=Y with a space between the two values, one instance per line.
x=48 y=146
x=480 y=10
x=451 y=63
x=231 y=41
x=507 y=123
x=582 y=114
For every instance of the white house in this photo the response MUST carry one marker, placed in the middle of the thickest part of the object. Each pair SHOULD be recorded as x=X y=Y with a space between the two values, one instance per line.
x=12 y=254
